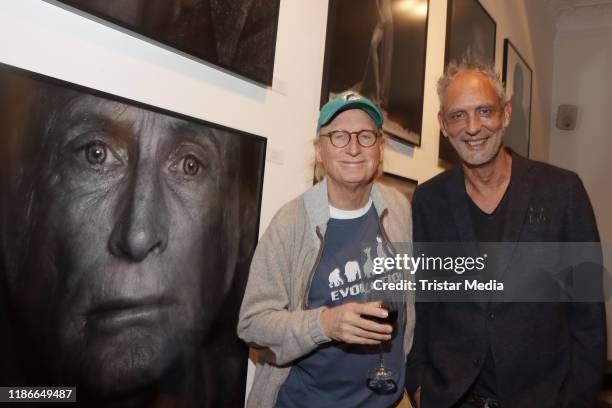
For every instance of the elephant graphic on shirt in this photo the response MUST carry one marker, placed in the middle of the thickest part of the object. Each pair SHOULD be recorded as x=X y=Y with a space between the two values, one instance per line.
x=352 y=271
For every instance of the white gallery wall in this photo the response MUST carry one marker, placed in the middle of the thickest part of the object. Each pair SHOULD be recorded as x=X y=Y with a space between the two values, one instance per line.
x=583 y=77
x=41 y=37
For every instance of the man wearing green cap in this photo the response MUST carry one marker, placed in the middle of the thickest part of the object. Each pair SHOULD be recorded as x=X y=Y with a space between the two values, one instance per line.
x=306 y=305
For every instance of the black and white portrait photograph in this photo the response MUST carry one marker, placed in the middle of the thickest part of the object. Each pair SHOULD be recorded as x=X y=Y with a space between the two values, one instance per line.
x=377 y=48
x=517 y=78
x=470 y=32
x=126 y=235
x=236 y=35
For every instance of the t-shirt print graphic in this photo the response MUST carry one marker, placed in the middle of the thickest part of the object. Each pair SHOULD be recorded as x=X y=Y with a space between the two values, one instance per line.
x=334 y=279
x=355 y=278
x=352 y=270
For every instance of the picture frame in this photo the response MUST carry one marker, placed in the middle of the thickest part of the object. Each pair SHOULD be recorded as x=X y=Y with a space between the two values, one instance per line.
x=63 y=142
x=470 y=31
x=404 y=185
x=388 y=45
x=238 y=37
x=517 y=77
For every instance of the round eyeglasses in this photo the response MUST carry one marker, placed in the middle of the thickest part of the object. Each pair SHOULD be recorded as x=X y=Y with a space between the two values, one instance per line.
x=341 y=138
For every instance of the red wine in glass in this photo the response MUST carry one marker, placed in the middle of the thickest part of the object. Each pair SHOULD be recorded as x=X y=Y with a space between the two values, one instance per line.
x=380 y=378
x=392 y=310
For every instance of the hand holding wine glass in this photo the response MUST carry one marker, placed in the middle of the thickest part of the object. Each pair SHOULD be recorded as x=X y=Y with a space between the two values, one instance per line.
x=356 y=323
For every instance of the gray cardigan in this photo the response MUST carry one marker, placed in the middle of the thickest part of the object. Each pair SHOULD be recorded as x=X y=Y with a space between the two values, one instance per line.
x=274 y=318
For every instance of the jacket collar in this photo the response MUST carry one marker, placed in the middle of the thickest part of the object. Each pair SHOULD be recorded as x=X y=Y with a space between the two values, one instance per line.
x=316 y=203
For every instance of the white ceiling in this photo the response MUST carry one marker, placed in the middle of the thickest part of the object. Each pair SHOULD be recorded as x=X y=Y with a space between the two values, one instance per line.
x=563 y=6
x=572 y=15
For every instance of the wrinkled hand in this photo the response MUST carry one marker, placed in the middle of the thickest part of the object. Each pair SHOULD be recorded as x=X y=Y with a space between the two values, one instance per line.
x=348 y=323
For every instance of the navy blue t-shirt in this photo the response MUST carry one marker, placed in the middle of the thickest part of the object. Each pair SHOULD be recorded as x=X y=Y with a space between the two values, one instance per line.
x=335 y=374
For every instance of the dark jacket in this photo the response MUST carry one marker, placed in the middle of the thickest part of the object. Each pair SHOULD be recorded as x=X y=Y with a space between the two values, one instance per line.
x=545 y=354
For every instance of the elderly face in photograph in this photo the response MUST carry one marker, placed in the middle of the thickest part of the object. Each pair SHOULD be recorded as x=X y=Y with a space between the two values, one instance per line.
x=125 y=240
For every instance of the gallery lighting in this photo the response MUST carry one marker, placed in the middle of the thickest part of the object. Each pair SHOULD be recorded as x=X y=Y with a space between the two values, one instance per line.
x=416 y=8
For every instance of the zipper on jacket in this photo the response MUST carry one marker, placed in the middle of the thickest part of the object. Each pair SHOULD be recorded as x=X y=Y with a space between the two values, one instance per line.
x=382 y=229
x=314 y=267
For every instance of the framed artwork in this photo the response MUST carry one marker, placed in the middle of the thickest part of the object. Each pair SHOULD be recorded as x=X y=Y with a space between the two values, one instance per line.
x=404 y=185
x=470 y=31
x=517 y=77
x=236 y=35
x=126 y=236
x=377 y=48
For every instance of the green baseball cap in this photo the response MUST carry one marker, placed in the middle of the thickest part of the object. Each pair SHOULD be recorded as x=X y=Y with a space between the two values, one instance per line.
x=345 y=101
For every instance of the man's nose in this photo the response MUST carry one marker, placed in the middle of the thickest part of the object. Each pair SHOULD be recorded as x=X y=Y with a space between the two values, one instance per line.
x=142 y=226
x=473 y=125
x=353 y=148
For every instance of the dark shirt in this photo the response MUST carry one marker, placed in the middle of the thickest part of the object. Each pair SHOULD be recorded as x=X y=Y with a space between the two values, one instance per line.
x=488 y=228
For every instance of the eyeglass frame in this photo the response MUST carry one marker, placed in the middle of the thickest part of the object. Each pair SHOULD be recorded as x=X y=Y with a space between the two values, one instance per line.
x=377 y=134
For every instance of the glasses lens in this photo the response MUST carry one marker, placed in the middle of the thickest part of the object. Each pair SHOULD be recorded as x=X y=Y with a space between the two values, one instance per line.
x=366 y=138
x=340 y=138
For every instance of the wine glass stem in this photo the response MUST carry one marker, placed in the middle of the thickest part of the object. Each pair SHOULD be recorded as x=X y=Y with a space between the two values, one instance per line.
x=380 y=353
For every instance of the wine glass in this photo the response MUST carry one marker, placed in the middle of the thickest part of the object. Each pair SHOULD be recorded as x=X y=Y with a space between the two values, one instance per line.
x=381 y=379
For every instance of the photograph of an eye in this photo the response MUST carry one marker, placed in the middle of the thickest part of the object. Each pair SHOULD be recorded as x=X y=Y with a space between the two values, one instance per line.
x=96 y=153
x=191 y=166
x=126 y=232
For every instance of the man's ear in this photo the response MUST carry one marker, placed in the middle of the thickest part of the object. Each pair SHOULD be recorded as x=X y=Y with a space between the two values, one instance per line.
x=317 y=147
x=381 y=145
x=442 y=124
x=507 y=114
